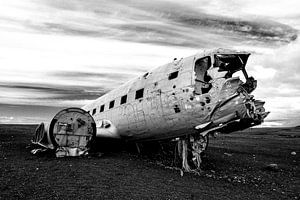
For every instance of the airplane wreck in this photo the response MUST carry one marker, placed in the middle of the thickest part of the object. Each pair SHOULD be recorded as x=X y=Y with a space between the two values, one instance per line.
x=185 y=100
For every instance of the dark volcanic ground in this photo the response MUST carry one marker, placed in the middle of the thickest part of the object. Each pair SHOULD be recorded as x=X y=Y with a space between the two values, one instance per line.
x=235 y=167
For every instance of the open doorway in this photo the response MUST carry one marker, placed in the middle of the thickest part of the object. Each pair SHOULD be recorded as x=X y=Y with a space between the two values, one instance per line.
x=202 y=79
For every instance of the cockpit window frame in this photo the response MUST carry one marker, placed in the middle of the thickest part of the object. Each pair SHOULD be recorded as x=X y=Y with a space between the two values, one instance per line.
x=238 y=57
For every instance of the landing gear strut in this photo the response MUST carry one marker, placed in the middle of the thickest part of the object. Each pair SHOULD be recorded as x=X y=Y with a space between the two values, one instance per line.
x=190 y=149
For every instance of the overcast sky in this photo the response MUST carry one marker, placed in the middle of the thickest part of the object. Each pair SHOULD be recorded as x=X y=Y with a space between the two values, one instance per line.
x=59 y=53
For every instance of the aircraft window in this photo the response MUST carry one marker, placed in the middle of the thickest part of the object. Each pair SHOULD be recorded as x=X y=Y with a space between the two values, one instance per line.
x=173 y=75
x=123 y=99
x=139 y=93
x=111 y=104
x=94 y=111
x=229 y=65
x=146 y=75
x=230 y=62
x=102 y=108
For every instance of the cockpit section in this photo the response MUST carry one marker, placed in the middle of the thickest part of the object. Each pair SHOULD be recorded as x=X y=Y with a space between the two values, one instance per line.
x=221 y=78
x=230 y=63
x=218 y=69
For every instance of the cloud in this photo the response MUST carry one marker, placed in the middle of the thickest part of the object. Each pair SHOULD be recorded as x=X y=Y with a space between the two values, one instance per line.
x=155 y=22
x=66 y=53
x=54 y=95
x=278 y=82
x=263 y=72
x=91 y=75
x=282 y=66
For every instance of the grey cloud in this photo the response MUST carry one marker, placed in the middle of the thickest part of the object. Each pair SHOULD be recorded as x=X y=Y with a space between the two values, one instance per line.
x=128 y=69
x=89 y=75
x=262 y=31
x=68 y=29
x=59 y=92
x=167 y=35
x=164 y=23
x=19 y=110
x=106 y=80
x=257 y=29
x=286 y=62
x=102 y=83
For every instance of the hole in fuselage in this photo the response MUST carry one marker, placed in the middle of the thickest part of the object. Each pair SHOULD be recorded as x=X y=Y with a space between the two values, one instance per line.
x=207 y=99
x=176 y=109
x=202 y=79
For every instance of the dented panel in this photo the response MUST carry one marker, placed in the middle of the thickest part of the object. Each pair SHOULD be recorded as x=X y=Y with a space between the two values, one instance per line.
x=205 y=90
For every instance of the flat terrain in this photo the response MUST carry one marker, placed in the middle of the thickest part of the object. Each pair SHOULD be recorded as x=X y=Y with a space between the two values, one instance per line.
x=235 y=167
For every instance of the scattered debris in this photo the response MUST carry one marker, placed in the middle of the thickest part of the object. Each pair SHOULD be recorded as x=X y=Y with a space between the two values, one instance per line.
x=40 y=151
x=67 y=151
x=181 y=173
x=37 y=151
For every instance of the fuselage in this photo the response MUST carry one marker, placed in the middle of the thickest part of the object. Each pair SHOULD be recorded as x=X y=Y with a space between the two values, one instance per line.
x=174 y=99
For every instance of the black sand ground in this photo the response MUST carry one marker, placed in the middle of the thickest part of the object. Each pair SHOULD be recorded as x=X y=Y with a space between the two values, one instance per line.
x=234 y=168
